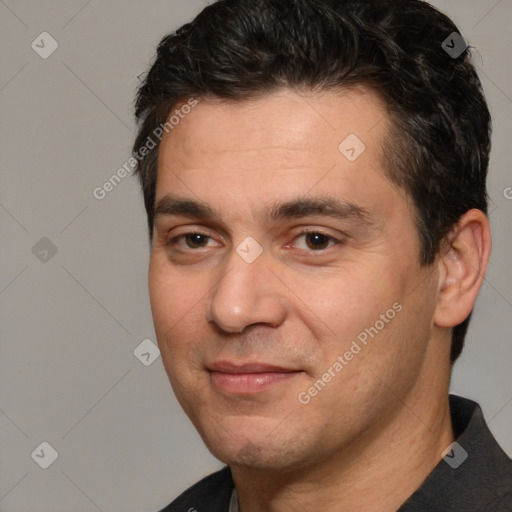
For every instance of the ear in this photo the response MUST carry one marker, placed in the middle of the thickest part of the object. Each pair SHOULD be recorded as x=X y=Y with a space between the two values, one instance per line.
x=462 y=265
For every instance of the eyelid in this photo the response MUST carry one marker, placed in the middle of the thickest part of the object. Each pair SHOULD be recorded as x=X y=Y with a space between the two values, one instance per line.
x=331 y=238
x=173 y=240
x=305 y=231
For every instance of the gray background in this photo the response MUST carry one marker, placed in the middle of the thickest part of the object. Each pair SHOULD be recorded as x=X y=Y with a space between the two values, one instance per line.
x=72 y=320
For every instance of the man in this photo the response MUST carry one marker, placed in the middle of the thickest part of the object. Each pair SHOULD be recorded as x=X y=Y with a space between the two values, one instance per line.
x=314 y=177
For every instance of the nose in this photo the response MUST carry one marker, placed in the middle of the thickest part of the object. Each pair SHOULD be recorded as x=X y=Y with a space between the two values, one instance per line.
x=247 y=294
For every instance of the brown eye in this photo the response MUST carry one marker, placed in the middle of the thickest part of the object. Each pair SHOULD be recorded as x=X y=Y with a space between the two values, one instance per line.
x=316 y=240
x=194 y=240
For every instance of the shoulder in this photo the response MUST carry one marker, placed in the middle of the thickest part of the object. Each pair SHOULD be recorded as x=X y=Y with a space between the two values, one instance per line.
x=476 y=474
x=211 y=494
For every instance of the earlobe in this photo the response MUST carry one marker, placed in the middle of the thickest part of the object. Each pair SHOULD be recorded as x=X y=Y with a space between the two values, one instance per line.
x=462 y=267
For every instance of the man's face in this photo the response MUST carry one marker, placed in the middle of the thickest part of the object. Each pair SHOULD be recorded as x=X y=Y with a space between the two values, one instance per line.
x=244 y=335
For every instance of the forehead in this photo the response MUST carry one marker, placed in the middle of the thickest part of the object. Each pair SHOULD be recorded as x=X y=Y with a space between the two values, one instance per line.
x=282 y=144
x=277 y=123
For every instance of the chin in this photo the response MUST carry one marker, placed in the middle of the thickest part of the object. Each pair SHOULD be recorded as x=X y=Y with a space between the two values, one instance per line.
x=256 y=456
x=262 y=445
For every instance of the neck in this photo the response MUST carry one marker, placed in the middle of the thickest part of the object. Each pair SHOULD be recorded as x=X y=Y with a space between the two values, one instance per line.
x=378 y=471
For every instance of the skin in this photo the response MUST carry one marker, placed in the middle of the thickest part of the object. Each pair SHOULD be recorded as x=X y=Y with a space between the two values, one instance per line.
x=373 y=433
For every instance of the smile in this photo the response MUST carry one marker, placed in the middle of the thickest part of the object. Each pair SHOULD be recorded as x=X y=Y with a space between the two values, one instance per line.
x=249 y=378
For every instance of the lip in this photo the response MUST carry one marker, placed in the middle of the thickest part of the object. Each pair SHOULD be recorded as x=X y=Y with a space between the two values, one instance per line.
x=253 y=367
x=248 y=378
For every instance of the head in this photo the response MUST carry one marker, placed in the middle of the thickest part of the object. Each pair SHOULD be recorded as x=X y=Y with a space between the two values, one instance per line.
x=251 y=112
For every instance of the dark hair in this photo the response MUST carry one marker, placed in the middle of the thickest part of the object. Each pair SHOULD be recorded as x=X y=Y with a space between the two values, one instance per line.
x=439 y=142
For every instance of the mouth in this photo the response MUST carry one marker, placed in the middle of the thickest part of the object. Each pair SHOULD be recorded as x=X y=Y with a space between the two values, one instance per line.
x=250 y=377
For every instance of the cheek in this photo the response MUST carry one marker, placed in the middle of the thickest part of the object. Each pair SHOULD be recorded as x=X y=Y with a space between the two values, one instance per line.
x=172 y=295
x=175 y=304
x=339 y=306
x=162 y=296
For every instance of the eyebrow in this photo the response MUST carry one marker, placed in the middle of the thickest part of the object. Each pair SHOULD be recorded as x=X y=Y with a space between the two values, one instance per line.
x=328 y=206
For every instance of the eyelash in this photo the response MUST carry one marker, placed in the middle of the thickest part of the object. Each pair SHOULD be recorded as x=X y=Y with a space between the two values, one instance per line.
x=173 y=241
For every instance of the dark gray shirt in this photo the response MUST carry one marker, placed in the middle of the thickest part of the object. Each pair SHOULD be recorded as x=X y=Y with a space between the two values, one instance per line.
x=475 y=475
